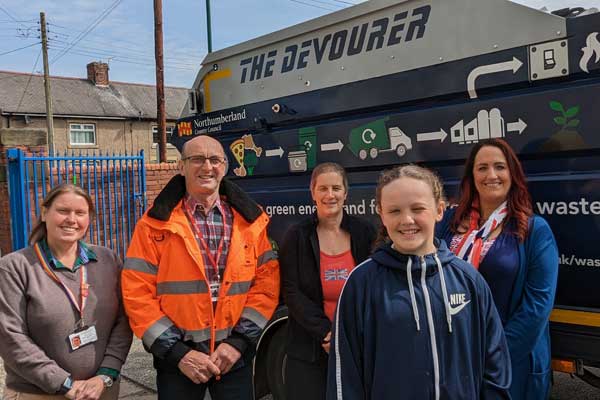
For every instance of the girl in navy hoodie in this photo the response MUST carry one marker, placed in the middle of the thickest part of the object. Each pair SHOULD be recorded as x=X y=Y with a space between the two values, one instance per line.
x=414 y=321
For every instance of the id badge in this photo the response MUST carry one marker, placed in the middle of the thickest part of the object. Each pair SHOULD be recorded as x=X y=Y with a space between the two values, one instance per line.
x=83 y=336
x=214 y=291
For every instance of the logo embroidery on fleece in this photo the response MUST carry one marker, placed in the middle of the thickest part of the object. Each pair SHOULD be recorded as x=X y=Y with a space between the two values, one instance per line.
x=457 y=303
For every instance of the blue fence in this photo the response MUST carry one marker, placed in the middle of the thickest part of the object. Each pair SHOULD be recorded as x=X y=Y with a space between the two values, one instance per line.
x=116 y=183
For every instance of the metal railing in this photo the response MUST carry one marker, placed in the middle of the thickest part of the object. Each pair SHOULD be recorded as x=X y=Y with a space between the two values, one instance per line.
x=116 y=184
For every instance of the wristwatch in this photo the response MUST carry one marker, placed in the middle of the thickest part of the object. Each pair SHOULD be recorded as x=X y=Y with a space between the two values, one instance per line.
x=108 y=381
x=66 y=386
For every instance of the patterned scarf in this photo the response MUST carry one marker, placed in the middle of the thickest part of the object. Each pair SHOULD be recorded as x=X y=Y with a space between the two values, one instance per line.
x=469 y=248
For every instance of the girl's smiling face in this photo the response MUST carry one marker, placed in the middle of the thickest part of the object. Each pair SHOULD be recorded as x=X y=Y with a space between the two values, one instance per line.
x=409 y=211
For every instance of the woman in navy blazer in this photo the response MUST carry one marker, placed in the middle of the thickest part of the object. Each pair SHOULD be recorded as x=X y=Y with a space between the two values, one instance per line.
x=494 y=228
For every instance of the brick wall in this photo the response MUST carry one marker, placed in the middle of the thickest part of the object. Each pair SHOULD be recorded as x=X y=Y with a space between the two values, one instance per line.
x=157 y=176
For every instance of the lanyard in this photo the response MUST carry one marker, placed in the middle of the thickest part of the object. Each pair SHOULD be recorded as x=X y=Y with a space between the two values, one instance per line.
x=84 y=292
x=198 y=234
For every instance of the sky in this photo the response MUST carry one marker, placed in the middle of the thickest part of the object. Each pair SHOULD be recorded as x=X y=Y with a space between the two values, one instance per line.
x=121 y=32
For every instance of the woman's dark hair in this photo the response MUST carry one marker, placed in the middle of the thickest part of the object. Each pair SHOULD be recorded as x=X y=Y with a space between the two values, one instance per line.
x=326 y=167
x=518 y=198
x=39 y=231
x=406 y=171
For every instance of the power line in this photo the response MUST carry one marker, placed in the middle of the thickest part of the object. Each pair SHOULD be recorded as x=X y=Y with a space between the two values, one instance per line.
x=313 y=5
x=326 y=3
x=135 y=62
x=29 y=80
x=18 y=22
x=136 y=44
x=20 y=48
x=130 y=52
x=346 y=2
x=93 y=25
x=7 y=13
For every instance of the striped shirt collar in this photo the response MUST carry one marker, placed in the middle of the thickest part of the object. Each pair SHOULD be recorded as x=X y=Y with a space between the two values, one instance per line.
x=85 y=255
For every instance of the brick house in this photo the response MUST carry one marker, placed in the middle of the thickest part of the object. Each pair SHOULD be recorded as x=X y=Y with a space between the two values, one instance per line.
x=90 y=114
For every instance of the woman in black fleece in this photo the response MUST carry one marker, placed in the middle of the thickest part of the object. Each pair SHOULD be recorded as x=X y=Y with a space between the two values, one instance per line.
x=315 y=259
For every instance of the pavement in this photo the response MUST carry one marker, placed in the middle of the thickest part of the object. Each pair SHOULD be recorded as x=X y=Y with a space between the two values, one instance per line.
x=138 y=377
x=138 y=380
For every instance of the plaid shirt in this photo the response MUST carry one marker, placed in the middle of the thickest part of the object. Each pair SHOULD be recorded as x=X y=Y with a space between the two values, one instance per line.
x=85 y=254
x=213 y=225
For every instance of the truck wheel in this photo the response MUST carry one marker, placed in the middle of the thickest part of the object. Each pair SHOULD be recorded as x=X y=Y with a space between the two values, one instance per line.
x=373 y=152
x=400 y=150
x=362 y=154
x=276 y=360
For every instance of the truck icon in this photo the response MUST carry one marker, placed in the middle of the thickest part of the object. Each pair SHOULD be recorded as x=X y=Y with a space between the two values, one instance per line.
x=373 y=138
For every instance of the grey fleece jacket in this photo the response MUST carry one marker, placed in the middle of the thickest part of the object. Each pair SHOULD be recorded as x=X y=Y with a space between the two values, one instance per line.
x=36 y=318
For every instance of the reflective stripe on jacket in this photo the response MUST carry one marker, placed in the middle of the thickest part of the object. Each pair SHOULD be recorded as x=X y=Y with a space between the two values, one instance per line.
x=164 y=283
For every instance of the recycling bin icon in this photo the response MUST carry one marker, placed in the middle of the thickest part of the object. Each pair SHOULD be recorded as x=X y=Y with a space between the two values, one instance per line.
x=298 y=160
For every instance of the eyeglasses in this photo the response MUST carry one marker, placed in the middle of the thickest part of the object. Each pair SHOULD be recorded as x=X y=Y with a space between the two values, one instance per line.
x=215 y=161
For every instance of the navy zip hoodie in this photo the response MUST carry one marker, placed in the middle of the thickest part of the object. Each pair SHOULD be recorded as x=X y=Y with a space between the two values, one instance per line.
x=410 y=327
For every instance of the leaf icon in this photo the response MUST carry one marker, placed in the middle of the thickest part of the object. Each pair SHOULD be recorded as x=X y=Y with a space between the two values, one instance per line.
x=560 y=120
x=556 y=106
x=573 y=123
x=571 y=112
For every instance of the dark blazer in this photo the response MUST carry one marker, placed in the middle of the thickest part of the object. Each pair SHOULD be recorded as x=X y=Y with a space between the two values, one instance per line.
x=299 y=260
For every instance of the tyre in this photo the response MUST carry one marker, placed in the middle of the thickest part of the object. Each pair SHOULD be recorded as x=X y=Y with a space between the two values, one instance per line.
x=401 y=150
x=362 y=154
x=276 y=360
x=373 y=152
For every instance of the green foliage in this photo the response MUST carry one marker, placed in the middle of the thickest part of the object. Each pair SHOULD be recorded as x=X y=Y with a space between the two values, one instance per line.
x=556 y=106
x=566 y=119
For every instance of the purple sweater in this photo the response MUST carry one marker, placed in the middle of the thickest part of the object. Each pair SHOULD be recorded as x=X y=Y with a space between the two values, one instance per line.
x=36 y=318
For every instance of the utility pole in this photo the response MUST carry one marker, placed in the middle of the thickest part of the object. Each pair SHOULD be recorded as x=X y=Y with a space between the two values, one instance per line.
x=208 y=26
x=160 y=82
x=49 y=116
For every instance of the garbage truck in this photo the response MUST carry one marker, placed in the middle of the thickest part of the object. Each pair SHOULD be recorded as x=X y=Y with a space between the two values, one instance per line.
x=419 y=81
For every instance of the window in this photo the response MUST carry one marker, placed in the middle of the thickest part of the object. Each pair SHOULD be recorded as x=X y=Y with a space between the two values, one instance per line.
x=82 y=134
x=155 y=134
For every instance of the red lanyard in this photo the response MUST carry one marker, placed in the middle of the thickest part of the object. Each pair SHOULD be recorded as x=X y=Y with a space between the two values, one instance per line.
x=84 y=287
x=198 y=234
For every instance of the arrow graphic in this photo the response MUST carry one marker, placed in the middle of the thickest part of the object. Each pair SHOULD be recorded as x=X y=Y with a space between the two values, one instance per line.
x=518 y=126
x=278 y=152
x=512 y=65
x=437 y=135
x=332 y=146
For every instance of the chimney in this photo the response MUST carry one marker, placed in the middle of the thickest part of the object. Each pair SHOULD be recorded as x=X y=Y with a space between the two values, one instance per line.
x=98 y=73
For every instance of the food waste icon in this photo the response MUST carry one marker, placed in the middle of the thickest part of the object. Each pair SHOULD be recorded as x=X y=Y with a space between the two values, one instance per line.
x=246 y=154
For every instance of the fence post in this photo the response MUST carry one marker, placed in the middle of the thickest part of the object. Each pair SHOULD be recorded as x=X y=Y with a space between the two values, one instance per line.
x=143 y=175
x=16 y=189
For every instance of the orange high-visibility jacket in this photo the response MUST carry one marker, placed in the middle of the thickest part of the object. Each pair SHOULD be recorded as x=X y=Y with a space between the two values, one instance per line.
x=164 y=284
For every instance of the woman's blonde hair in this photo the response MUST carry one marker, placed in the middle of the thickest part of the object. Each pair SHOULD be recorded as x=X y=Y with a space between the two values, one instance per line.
x=39 y=232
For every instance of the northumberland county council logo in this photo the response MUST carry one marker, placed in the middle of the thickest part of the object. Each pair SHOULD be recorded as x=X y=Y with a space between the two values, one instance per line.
x=184 y=129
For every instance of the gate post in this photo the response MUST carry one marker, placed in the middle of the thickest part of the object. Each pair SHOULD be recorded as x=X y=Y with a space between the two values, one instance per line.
x=16 y=189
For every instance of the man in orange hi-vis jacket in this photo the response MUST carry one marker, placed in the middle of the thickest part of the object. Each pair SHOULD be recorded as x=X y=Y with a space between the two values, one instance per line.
x=201 y=280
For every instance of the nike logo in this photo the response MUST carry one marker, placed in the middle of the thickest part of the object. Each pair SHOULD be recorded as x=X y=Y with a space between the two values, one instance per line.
x=457 y=309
